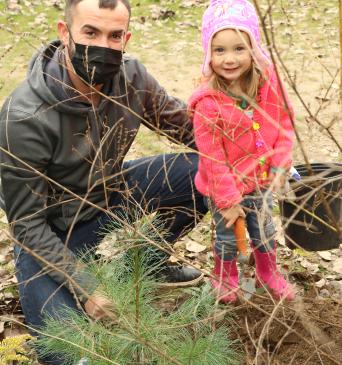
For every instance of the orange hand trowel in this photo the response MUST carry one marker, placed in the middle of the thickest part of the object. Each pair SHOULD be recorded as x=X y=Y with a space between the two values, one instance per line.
x=247 y=284
x=241 y=240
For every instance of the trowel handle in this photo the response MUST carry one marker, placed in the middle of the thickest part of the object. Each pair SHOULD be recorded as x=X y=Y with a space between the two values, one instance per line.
x=241 y=239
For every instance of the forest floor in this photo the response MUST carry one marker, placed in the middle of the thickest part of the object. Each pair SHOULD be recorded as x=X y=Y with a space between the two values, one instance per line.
x=166 y=38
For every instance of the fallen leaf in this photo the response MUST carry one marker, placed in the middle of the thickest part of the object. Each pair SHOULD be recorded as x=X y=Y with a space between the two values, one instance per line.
x=196 y=236
x=9 y=295
x=313 y=268
x=13 y=280
x=325 y=255
x=4 y=235
x=305 y=263
x=320 y=283
x=337 y=266
x=2 y=259
x=178 y=245
x=193 y=246
x=5 y=259
x=192 y=255
x=14 y=330
x=302 y=253
x=173 y=259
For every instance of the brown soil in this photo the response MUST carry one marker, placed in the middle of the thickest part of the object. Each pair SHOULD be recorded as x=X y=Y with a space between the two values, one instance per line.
x=307 y=332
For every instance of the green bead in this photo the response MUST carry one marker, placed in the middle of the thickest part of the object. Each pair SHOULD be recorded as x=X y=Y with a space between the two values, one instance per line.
x=243 y=104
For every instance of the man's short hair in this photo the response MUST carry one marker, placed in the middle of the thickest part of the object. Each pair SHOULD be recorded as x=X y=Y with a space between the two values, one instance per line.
x=105 y=4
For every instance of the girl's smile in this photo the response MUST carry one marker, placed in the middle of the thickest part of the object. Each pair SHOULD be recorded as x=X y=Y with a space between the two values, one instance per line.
x=231 y=57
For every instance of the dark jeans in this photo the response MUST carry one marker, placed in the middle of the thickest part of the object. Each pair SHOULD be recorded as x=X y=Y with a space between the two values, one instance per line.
x=258 y=209
x=162 y=183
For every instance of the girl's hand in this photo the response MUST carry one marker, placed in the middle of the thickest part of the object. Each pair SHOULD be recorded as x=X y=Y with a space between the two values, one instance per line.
x=232 y=214
x=277 y=180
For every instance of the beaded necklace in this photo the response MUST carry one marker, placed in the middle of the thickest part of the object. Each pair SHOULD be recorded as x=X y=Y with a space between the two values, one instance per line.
x=248 y=110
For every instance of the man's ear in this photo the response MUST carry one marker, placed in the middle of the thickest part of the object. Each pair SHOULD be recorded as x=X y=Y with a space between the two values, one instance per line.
x=127 y=38
x=63 y=32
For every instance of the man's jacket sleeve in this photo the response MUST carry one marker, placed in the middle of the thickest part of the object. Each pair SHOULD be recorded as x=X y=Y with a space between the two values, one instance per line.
x=25 y=153
x=166 y=114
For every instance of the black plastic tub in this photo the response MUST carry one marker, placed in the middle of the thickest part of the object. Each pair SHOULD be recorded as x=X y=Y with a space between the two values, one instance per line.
x=313 y=208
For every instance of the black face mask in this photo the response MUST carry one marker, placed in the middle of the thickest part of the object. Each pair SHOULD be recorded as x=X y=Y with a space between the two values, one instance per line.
x=95 y=64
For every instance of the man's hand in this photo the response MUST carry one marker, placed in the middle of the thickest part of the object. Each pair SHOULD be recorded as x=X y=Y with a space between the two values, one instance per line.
x=232 y=214
x=98 y=306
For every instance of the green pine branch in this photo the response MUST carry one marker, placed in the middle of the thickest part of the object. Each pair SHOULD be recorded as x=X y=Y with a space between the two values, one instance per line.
x=142 y=333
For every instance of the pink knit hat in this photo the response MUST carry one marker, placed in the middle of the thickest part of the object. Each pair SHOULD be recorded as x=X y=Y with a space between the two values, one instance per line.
x=231 y=14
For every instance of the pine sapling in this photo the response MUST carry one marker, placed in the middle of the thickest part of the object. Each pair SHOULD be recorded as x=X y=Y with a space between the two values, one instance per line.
x=140 y=331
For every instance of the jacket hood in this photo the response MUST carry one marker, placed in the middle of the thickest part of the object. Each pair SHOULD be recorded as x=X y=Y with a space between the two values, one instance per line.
x=49 y=79
x=205 y=91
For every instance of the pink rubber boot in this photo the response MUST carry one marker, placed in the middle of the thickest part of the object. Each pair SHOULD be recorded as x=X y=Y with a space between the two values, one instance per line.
x=226 y=280
x=268 y=275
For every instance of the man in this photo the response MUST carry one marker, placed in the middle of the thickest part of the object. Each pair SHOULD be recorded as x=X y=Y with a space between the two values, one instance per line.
x=64 y=134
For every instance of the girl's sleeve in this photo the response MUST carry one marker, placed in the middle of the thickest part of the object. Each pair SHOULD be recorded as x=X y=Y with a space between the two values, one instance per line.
x=283 y=147
x=214 y=162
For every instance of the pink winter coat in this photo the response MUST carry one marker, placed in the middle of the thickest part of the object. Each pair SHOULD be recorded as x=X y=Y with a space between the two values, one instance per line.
x=237 y=151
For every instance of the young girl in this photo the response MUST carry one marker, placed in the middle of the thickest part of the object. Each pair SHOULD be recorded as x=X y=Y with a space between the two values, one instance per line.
x=244 y=135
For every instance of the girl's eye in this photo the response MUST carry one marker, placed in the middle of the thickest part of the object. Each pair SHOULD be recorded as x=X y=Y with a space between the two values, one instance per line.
x=240 y=48
x=219 y=50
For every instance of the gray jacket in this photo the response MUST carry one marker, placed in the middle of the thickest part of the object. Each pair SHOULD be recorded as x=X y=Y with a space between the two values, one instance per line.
x=53 y=145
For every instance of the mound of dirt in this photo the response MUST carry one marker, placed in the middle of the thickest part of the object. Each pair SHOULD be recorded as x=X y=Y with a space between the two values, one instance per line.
x=306 y=332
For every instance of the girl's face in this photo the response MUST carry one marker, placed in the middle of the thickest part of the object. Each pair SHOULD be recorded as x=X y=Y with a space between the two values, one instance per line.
x=230 y=54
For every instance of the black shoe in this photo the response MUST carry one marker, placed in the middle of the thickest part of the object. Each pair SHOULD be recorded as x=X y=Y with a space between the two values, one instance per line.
x=83 y=361
x=180 y=276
